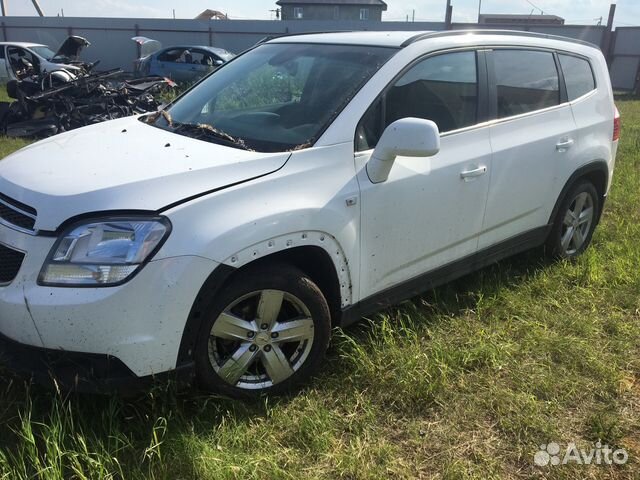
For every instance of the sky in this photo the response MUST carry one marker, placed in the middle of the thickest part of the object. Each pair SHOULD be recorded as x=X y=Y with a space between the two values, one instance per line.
x=574 y=11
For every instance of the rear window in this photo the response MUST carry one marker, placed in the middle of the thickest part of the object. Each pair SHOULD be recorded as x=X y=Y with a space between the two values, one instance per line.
x=527 y=80
x=578 y=76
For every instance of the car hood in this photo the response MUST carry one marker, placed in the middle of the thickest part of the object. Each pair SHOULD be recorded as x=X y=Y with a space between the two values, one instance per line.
x=148 y=46
x=71 y=48
x=123 y=165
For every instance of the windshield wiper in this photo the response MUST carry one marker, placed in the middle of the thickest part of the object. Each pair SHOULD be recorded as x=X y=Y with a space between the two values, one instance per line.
x=202 y=131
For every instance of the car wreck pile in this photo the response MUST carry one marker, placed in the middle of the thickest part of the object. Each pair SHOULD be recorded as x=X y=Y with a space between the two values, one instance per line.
x=43 y=109
x=73 y=96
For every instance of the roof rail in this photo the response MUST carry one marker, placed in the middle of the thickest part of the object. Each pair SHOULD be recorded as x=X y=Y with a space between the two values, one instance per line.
x=284 y=35
x=447 y=33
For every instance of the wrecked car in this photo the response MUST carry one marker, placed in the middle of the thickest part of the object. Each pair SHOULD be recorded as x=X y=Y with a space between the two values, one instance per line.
x=20 y=60
x=180 y=63
x=41 y=111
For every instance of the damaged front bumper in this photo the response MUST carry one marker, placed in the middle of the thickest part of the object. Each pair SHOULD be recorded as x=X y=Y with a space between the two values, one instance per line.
x=98 y=339
x=80 y=371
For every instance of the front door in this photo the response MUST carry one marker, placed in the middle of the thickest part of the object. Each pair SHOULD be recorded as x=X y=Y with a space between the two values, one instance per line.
x=430 y=210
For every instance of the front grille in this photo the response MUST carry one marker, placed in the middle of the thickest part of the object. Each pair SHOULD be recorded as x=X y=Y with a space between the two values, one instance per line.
x=16 y=213
x=10 y=263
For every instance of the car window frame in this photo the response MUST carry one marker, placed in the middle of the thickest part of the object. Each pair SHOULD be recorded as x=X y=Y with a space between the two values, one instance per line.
x=482 y=114
x=593 y=73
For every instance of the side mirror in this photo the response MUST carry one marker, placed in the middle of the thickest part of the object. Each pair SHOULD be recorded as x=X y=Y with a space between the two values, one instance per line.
x=407 y=137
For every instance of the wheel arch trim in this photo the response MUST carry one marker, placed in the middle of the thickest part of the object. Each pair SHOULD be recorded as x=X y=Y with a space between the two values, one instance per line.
x=260 y=251
x=309 y=238
x=597 y=166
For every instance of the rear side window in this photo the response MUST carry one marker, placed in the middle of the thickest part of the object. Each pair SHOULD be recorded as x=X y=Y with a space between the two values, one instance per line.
x=526 y=81
x=443 y=89
x=578 y=76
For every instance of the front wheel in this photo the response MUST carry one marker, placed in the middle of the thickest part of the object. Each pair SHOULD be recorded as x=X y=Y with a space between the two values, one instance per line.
x=575 y=222
x=266 y=332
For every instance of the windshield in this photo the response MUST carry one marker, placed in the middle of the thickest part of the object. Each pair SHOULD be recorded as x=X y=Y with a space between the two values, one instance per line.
x=277 y=97
x=44 y=52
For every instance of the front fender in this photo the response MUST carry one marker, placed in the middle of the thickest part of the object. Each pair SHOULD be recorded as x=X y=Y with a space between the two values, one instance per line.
x=312 y=201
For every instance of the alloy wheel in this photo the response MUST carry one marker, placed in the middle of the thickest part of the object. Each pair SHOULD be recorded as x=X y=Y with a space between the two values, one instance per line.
x=577 y=223
x=261 y=339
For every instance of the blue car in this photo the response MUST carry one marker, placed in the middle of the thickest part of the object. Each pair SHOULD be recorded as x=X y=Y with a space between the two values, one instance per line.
x=179 y=63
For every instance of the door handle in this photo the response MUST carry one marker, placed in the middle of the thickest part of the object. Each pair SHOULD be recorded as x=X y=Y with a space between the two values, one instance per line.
x=564 y=145
x=468 y=175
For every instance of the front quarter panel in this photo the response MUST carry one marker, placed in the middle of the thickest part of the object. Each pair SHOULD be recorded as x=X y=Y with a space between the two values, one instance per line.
x=312 y=200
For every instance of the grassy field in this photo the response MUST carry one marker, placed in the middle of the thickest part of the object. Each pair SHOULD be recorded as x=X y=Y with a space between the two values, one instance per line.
x=466 y=381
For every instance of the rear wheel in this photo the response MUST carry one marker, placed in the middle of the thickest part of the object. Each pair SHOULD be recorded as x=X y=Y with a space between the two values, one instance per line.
x=575 y=222
x=266 y=332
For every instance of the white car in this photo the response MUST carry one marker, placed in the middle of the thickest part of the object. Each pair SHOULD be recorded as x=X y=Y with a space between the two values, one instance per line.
x=19 y=60
x=308 y=182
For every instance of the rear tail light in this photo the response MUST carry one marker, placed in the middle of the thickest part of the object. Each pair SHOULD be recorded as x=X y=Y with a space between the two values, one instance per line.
x=617 y=124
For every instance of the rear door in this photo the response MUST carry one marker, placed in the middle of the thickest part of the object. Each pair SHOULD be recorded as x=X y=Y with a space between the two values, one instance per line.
x=532 y=136
x=592 y=109
x=174 y=63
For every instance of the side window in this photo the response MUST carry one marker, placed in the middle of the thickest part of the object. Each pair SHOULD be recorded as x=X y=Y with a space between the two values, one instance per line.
x=443 y=89
x=526 y=81
x=174 y=55
x=23 y=62
x=578 y=76
x=17 y=55
x=200 y=57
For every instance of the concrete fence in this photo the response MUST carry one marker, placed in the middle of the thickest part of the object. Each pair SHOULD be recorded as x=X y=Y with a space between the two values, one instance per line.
x=112 y=45
x=625 y=64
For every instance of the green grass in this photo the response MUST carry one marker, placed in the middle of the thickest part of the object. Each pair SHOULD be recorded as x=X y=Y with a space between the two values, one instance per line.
x=464 y=382
x=9 y=145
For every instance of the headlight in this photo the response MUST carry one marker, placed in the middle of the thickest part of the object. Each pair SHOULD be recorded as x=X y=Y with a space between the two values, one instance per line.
x=103 y=253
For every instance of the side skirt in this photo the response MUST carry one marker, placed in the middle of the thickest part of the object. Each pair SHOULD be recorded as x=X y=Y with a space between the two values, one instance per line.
x=411 y=288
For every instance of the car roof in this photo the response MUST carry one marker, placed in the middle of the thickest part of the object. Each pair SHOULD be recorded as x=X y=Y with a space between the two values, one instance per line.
x=201 y=47
x=22 y=44
x=402 y=39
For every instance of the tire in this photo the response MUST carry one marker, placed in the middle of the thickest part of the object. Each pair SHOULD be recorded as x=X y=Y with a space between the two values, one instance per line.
x=266 y=332
x=575 y=221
